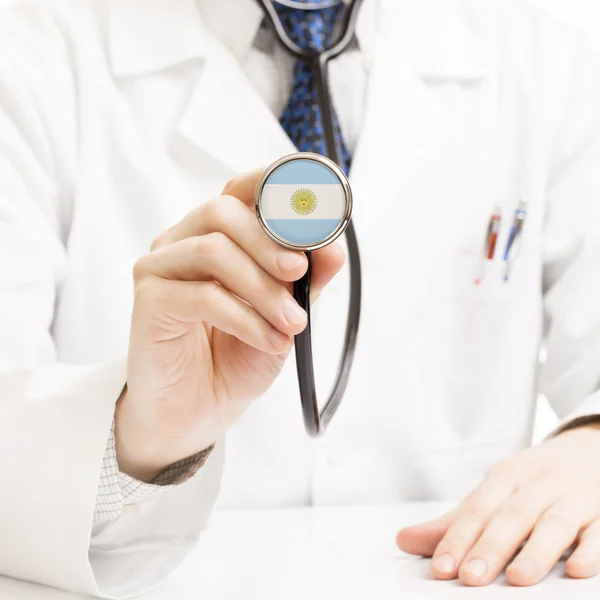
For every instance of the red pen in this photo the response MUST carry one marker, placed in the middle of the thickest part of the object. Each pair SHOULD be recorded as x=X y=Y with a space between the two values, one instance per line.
x=491 y=238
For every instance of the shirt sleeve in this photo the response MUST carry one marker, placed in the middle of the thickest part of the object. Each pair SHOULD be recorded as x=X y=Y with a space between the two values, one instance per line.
x=118 y=491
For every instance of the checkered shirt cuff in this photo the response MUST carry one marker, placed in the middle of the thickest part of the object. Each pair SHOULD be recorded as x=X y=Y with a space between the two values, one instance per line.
x=116 y=489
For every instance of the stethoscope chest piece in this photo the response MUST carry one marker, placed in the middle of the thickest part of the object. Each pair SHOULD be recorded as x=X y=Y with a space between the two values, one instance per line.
x=303 y=201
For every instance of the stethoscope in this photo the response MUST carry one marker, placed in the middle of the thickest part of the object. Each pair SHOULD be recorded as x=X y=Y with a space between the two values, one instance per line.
x=325 y=169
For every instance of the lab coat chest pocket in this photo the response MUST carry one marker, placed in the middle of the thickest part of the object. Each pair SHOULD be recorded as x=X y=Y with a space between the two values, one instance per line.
x=483 y=346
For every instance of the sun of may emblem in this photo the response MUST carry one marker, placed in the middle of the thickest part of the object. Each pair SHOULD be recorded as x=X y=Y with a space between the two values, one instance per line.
x=304 y=201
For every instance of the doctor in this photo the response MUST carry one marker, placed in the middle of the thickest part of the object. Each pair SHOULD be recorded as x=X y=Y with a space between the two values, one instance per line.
x=121 y=122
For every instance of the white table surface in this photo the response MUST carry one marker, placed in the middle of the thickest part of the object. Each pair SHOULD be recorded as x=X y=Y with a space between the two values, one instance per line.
x=318 y=554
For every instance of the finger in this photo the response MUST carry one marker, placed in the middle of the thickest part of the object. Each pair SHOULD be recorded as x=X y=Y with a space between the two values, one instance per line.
x=585 y=561
x=422 y=539
x=471 y=519
x=216 y=257
x=208 y=302
x=554 y=533
x=506 y=530
x=229 y=215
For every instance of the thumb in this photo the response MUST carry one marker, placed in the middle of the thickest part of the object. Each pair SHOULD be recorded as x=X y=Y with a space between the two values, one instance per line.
x=422 y=539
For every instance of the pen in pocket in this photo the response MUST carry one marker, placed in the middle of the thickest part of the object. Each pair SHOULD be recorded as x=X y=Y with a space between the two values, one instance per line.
x=491 y=237
x=514 y=238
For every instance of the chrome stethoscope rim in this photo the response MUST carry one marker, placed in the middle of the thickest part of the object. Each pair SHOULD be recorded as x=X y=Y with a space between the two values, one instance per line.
x=339 y=173
x=311 y=6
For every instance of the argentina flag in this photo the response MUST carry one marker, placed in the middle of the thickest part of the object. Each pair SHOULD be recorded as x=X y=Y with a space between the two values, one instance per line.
x=303 y=202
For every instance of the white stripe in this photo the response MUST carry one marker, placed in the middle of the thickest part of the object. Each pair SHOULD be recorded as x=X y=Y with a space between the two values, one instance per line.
x=276 y=198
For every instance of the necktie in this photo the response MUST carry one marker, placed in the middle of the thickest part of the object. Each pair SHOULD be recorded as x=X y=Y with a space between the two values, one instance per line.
x=302 y=120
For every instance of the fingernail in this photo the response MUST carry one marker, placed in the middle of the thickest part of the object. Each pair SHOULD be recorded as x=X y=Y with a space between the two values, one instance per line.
x=525 y=566
x=444 y=563
x=477 y=568
x=288 y=261
x=292 y=312
x=278 y=340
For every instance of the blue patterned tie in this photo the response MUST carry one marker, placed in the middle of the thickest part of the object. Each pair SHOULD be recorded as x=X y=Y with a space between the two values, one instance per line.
x=301 y=119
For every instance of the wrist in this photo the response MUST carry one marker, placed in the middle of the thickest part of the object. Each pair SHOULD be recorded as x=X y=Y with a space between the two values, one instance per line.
x=142 y=453
x=133 y=449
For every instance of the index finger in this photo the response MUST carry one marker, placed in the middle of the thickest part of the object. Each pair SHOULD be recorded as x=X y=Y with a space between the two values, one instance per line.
x=243 y=186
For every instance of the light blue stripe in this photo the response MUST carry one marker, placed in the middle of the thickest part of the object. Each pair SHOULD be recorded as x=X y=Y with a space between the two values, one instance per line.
x=303 y=232
x=303 y=171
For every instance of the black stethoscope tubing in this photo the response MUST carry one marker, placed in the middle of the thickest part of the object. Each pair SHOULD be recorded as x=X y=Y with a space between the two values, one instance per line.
x=315 y=420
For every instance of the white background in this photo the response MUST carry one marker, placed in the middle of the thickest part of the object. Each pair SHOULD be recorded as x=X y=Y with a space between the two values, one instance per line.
x=586 y=15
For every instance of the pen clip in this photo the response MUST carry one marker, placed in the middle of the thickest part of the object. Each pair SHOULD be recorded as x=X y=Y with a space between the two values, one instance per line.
x=514 y=235
x=491 y=237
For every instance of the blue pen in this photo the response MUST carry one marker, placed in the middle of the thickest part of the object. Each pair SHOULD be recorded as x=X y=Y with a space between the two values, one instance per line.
x=512 y=245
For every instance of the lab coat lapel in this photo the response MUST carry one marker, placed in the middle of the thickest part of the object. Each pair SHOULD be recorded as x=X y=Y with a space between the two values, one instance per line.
x=226 y=119
x=425 y=63
x=223 y=118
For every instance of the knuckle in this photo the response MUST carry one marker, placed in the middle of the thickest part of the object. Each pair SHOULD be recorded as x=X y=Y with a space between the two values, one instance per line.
x=141 y=268
x=212 y=213
x=475 y=515
x=208 y=245
x=509 y=513
x=263 y=242
x=455 y=542
x=217 y=242
x=157 y=242
x=230 y=186
x=218 y=211
x=558 y=519
x=146 y=291
x=210 y=292
x=263 y=246
x=197 y=245
x=227 y=202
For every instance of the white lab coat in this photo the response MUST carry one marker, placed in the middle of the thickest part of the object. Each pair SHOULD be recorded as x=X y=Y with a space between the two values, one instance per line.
x=118 y=117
